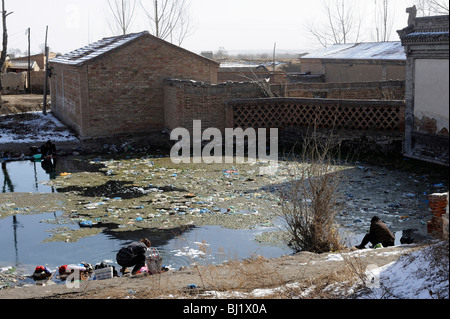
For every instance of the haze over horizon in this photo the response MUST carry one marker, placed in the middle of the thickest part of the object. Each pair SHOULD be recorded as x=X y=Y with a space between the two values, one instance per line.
x=249 y=26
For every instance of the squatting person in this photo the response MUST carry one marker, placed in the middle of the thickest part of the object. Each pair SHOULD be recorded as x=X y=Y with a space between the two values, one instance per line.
x=133 y=255
x=379 y=233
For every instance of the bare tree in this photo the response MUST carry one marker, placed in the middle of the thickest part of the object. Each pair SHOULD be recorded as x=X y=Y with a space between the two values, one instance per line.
x=122 y=14
x=341 y=24
x=5 y=14
x=384 y=18
x=432 y=7
x=169 y=19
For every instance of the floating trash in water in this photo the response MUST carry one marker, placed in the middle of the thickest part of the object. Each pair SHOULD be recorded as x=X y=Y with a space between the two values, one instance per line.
x=86 y=223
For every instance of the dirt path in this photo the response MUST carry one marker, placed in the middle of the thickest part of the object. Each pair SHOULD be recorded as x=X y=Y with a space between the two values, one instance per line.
x=307 y=270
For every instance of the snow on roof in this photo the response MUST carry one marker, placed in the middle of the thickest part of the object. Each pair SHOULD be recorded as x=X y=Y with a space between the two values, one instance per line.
x=370 y=50
x=22 y=64
x=93 y=50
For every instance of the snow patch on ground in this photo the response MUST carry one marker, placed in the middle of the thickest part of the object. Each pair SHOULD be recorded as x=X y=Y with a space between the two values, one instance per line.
x=412 y=276
x=33 y=127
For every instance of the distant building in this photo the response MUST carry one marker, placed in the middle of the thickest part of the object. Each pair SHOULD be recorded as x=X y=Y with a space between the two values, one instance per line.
x=39 y=58
x=116 y=85
x=237 y=72
x=22 y=66
x=426 y=43
x=357 y=62
x=207 y=54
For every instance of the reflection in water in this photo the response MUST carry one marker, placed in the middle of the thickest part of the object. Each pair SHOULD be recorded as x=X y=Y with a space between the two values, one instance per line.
x=28 y=175
x=15 y=224
x=49 y=166
x=25 y=176
x=6 y=180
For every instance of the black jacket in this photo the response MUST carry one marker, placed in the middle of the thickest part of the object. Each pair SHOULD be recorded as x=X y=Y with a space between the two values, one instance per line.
x=129 y=253
x=381 y=232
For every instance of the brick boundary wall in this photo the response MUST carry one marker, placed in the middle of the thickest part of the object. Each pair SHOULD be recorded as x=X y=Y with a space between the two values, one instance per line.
x=366 y=126
x=358 y=115
x=37 y=82
x=187 y=100
x=384 y=90
x=438 y=225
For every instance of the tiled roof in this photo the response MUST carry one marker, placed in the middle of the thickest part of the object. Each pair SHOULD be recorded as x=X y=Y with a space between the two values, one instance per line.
x=434 y=29
x=365 y=51
x=96 y=49
x=433 y=36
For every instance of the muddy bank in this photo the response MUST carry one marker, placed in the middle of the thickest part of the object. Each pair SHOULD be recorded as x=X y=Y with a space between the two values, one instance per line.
x=157 y=142
x=307 y=271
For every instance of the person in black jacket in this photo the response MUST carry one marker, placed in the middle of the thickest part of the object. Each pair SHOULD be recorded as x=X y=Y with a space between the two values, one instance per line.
x=48 y=149
x=133 y=255
x=379 y=233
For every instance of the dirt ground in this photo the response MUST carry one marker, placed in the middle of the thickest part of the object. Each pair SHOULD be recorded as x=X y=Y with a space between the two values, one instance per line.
x=12 y=104
x=304 y=271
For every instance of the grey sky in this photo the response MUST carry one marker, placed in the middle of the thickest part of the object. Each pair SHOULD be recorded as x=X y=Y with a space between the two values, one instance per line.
x=236 y=25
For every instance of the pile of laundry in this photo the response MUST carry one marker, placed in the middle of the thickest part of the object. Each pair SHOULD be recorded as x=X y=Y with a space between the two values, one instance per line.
x=85 y=271
x=74 y=272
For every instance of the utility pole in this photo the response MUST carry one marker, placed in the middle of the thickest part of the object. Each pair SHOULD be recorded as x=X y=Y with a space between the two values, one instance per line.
x=44 y=106
x=29 y=63
x=4 y=15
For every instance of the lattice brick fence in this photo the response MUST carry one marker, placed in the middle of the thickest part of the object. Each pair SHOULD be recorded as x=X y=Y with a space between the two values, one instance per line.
x=360 y=115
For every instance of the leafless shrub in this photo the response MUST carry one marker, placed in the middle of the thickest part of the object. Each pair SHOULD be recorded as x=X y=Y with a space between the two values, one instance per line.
x=309 y=199
x=263 y=84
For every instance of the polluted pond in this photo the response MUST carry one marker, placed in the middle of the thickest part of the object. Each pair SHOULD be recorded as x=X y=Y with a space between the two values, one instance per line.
x=86 y=209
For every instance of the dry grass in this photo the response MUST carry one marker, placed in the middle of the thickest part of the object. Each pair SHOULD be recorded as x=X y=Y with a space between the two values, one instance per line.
x=307 y=276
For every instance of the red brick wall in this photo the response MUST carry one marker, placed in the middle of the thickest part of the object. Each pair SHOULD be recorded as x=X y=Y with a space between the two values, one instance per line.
x=37 y=79
x=385 y=90
x=186 y=101
x=66 y=97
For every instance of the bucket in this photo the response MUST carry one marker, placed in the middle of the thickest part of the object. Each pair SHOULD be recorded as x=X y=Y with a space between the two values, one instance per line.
x=37 y=156
x=153 y=261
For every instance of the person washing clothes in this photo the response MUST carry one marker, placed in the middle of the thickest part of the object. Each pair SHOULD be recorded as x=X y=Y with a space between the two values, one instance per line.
x=133 y=255
x=48 y=149
x=379 y=233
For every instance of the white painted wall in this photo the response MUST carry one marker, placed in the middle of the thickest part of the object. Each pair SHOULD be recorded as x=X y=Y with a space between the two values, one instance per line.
x=432 y=90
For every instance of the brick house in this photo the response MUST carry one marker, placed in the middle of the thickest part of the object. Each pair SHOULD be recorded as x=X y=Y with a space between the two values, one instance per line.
x=357 y=62
x=116 y=85
x=38 y=58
